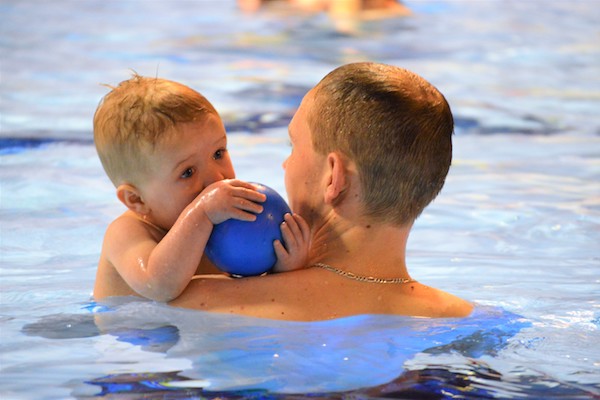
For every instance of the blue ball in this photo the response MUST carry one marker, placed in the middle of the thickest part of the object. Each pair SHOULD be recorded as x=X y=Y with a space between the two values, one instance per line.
x=245 y=248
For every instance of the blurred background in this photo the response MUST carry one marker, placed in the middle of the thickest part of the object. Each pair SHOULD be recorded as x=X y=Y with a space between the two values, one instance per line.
x=506 y=66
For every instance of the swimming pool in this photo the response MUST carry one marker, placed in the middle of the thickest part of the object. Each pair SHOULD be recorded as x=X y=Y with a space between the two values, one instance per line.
x=516 y=228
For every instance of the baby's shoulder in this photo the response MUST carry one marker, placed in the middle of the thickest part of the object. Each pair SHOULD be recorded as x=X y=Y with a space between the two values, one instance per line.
x=125 y=221
x=126 y=227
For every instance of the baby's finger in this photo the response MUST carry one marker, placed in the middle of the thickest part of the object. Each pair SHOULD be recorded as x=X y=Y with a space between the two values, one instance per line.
x=289 y=239
x=241 y=184
x=303 y=225
x=280 y=250
x=239 y=203
x=292 y=225
x=242 y=215
x=237 y=188
x=249 y=194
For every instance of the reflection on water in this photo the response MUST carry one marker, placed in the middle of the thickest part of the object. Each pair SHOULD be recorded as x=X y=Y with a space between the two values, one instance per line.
x=237 y=353
x=238 y=357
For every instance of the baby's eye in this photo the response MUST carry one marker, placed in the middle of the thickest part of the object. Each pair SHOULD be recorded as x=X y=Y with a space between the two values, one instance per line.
x=187 y=173
x=219 y=154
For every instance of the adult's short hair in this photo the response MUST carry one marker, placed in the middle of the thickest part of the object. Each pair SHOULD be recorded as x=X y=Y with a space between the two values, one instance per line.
x=395 y=126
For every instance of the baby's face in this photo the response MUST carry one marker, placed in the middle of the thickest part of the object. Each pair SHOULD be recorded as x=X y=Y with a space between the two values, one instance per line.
x=193 y=157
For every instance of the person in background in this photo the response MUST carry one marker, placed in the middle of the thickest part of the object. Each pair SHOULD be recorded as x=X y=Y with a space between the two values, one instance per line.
x=361 y=8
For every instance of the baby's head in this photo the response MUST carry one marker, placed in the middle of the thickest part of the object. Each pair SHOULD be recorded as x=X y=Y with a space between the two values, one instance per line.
x=138 y=115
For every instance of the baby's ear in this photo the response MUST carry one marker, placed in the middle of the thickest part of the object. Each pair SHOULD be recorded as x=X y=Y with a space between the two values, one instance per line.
x=130 y=196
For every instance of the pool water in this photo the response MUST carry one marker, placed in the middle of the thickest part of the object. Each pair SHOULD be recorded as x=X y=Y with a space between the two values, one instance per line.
x=516 y=228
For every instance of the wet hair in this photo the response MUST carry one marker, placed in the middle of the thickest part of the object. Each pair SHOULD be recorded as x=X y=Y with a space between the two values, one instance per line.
x=137 y=115
x=395 y=126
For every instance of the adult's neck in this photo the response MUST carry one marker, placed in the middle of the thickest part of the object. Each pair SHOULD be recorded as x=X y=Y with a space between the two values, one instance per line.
x=361 y=246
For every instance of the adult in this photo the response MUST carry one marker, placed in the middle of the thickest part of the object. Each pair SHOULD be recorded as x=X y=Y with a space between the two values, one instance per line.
x=371 y=148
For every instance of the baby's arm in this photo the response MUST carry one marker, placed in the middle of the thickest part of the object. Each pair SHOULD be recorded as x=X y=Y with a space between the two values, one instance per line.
x=296 y=237
x=161 y=268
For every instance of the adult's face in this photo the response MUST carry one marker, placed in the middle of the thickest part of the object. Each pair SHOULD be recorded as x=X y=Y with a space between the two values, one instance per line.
x=304 y=167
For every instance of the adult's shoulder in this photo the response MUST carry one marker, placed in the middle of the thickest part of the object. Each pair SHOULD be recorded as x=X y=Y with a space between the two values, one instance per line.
x=438 y=303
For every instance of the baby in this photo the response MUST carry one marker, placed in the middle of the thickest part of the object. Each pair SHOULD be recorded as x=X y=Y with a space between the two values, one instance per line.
x=164 y=147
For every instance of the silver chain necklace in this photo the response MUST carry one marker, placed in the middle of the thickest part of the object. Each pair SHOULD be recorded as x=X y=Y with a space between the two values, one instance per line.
x=360 y=278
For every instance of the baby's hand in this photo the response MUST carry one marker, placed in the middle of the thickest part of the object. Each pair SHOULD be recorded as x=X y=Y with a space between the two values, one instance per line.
x=296 y=236
x=230 y=198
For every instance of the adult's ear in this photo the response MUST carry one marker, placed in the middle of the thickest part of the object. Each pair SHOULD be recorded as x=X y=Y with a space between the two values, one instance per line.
x=338 y=179
x=131 y=197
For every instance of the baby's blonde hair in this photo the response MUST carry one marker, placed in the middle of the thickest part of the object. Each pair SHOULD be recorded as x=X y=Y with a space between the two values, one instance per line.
x=136 y=115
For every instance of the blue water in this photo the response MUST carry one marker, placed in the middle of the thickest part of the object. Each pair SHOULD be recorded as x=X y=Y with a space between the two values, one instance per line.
x=516 y=228
x=245 y=353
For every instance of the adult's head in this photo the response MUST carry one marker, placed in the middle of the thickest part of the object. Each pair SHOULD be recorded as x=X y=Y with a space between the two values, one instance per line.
x=137 y=115
x=394 y=125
